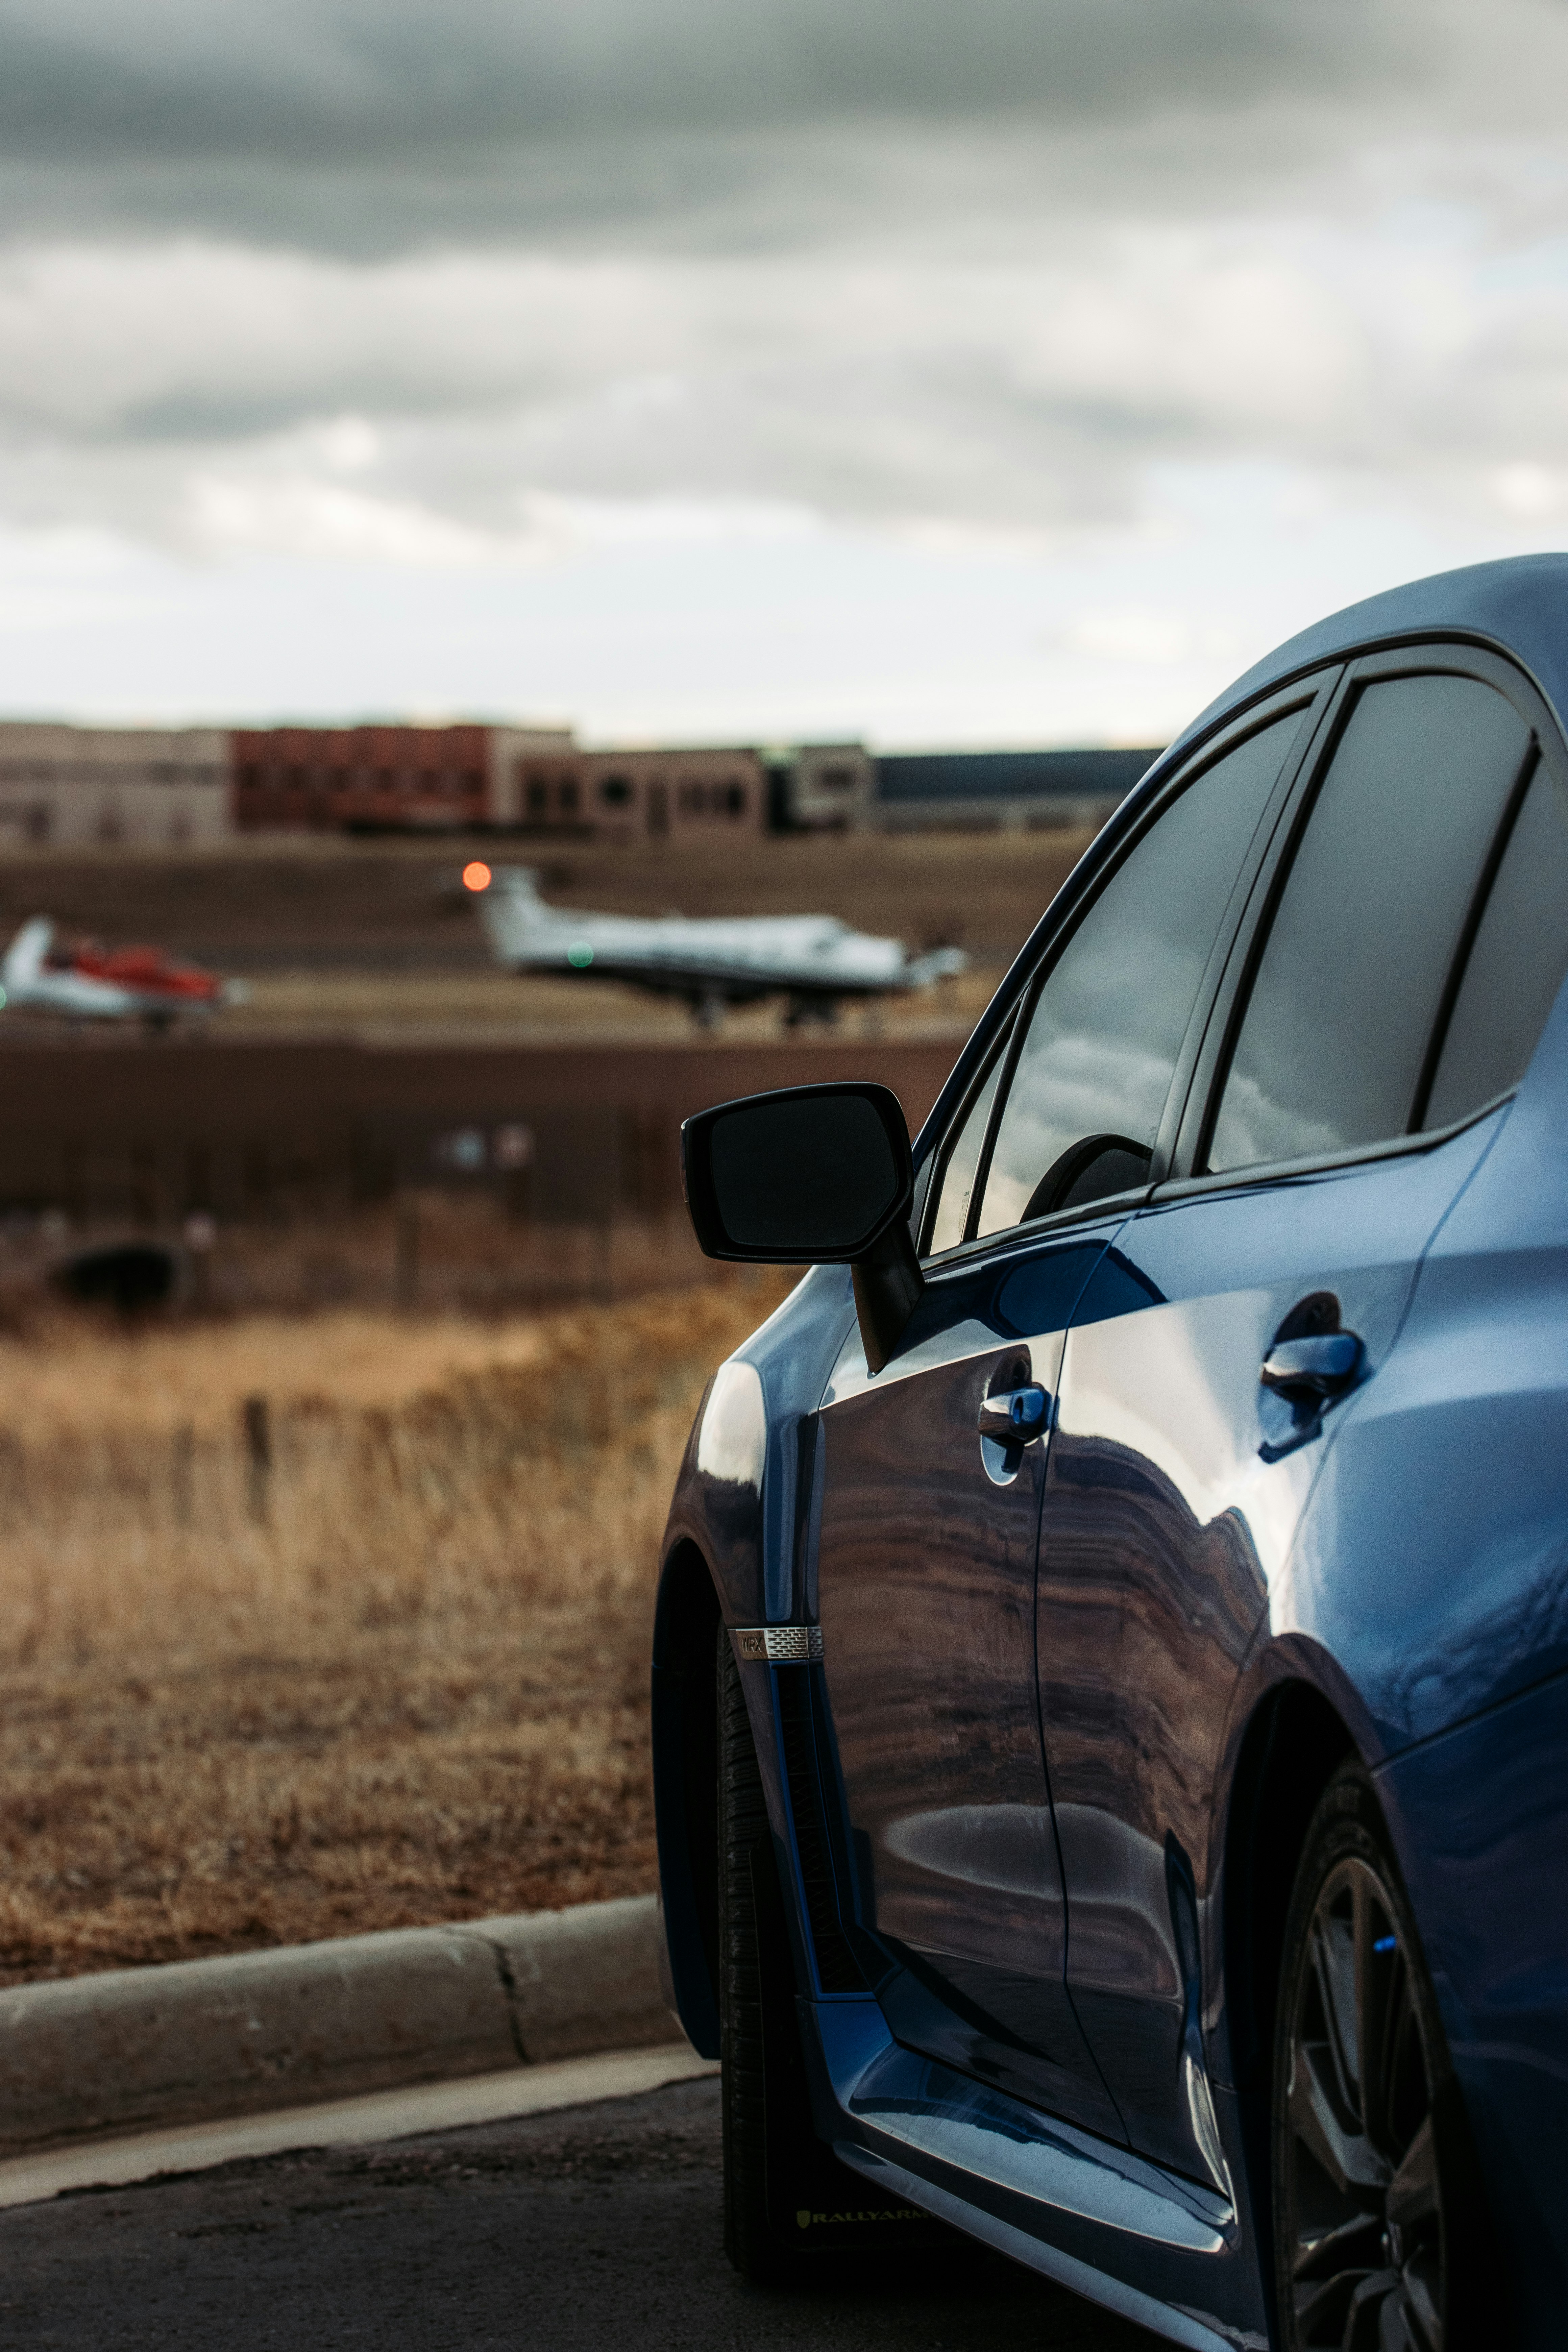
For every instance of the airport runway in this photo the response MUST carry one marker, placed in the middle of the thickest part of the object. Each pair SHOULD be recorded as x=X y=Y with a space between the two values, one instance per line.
x=593 y=2230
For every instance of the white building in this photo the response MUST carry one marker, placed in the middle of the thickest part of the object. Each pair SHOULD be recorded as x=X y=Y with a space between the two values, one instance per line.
x=76 y=785
x=821 y=787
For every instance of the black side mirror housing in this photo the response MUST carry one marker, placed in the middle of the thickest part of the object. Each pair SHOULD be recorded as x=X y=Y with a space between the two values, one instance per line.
x=811 y=1176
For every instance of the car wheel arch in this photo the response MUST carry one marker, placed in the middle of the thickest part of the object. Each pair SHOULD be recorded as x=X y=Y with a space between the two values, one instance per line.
x=1292 y=1743
x=685 y=1742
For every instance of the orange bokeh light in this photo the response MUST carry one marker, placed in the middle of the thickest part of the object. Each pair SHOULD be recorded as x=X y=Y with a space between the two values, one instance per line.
x=476 y=875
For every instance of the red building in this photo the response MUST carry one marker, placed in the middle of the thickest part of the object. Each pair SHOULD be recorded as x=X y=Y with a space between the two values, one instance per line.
x=515 y=779
x=333 y=778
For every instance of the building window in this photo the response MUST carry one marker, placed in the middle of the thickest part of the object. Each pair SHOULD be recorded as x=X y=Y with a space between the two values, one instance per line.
x=538 y=799
x=734 y=799
x=615 y=792
x=568 y=794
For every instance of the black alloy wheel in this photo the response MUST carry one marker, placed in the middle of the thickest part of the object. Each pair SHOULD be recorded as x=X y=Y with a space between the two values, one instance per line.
x=1368 y=2140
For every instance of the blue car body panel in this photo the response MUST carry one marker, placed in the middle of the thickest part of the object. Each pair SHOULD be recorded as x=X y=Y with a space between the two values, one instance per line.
x=1165 y=1536
x=1026 y=2019
x=1480 y=1820
x=938 y=1742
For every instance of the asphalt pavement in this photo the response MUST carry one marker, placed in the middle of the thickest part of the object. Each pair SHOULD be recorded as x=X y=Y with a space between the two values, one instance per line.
x=594 y=2229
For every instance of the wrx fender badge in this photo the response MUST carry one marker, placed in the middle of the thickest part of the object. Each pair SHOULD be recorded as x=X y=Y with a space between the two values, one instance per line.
x=778 y=1645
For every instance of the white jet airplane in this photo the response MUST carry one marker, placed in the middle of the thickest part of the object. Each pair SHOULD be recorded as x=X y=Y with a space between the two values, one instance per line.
x=814 y=961
x=94 y=984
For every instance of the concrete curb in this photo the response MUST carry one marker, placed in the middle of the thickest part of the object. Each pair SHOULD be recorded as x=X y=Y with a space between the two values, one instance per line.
x=377 y=2117
x=201 y=2040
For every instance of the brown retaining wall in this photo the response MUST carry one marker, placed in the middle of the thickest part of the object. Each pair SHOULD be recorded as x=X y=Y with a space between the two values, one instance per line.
x=148 y=1129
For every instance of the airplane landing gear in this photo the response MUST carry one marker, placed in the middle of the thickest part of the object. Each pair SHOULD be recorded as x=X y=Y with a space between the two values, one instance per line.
x=800 y=1010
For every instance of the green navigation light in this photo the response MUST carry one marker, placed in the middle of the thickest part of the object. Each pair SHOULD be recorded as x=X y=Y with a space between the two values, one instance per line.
x=579 y=955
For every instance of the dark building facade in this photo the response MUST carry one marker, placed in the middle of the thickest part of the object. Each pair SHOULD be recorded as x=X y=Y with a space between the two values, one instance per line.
x=934 y=788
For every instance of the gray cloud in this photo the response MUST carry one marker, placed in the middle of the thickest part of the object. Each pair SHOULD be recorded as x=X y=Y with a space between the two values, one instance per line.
x=357 y=124
x=305 y=79
x=331 y=277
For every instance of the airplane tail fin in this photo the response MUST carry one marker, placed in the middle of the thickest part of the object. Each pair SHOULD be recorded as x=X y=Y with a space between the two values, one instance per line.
x=515 y=917
x=23 y=958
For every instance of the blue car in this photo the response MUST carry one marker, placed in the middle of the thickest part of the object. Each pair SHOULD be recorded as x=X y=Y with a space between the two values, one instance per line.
x=1110 y=1684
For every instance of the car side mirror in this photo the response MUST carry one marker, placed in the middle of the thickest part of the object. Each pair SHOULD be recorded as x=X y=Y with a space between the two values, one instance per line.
x=811 y=1176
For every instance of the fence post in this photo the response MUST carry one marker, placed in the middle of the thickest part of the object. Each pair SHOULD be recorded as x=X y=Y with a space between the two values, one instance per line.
x=406 y=1276
x=258 y=1457
x=182 y=1468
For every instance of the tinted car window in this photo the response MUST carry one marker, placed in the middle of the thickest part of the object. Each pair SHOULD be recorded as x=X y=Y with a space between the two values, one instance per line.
x=1084 y=1105
x=1342 y=1005
x=1516 y=966
x=963 y=1158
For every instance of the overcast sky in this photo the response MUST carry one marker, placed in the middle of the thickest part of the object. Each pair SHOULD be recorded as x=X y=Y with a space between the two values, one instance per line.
x=1009 y=372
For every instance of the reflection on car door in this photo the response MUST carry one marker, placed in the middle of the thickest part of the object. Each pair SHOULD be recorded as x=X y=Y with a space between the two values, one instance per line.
x=929 y=1521
x=925 y=1595
x=1164 y=1528
x=1179 y=1469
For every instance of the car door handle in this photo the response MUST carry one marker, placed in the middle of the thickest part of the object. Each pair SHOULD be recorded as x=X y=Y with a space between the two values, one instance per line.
x=1015 y=1416
x=1313 y=1372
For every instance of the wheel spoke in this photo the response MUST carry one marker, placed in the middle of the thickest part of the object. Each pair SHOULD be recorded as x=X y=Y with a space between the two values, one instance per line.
x=1333 y=1964
x=1413 y=2193
x=1423 y=2295
x=1394 y=2331
x=1320 y=2316
x=1376 y=2007
x=1363 y=2320
x=1353 y=2245
x=1354 y=2166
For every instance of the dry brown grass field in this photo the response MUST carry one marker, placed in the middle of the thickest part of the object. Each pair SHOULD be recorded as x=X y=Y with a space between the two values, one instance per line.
x=401 y=1676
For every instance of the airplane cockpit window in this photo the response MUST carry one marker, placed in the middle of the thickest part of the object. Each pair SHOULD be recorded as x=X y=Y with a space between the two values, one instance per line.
x=1084 y=1106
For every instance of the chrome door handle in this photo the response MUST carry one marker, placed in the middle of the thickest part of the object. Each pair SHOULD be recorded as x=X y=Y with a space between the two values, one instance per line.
x=1312 y=1372
x=1308 y=1375
x=1015 y=1416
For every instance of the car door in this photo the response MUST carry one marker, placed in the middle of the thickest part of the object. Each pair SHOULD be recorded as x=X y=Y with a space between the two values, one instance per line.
x=1254 y=1295
x=931 y=1495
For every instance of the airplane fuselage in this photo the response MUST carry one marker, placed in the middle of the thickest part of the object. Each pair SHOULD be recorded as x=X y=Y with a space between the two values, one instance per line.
x=31 y=982
x=75 y=996
x=735 y=960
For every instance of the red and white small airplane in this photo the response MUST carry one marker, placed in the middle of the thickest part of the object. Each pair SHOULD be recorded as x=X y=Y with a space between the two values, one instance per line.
x=89 y=983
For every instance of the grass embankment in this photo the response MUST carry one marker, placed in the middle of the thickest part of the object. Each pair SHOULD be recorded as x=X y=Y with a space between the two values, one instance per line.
x=400 y=1678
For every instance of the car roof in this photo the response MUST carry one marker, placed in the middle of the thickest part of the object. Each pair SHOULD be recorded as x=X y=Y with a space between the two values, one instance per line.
x=1519 y=604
